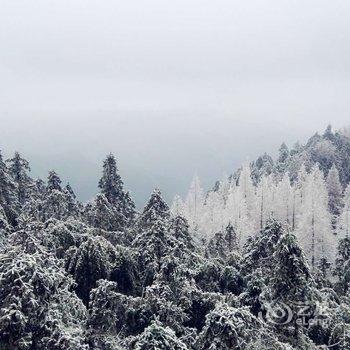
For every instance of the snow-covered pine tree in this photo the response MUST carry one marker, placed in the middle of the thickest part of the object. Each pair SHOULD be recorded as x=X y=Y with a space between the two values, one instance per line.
x=342 y=266
x=112 y=187
x=265 y=201
x=159 y=337
x=212 y=217
x=283 y=160
x=101 y=214
x=283 y=202
x=155 y=209
x=335 y=191
x=38 y=310
x=247 y=188
x=290 y=286
x=18 y=168
x=8 y=197
x=236 y=213
x=179 y=229
x=228 y=328
x=177 y=207
x=88 y=263
x=152 y=239
x=298 y=195
x=194 y=203
x=343 y=221
x=314 y=230
x=53 y=182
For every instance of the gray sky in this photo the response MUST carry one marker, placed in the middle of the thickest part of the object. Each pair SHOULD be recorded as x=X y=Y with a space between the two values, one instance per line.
x=170 y=87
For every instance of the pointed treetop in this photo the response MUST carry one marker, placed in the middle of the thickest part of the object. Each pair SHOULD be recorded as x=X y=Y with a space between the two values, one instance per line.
x=291 y=273
x=18 y=166
x=53 y=182
x=328 y=130
x=111 y=184
x=283 y=153
x=156 y=209
x=112 y=187
x=177 y=207
x=69 y=190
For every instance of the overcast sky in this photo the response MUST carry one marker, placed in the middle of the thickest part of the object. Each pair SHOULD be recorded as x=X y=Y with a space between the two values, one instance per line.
x=170 y=87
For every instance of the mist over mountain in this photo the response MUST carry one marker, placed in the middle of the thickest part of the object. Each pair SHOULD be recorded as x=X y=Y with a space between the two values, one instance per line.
x=151 y=148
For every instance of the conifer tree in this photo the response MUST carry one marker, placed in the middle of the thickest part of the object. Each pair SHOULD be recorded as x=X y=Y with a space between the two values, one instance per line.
x=283 y=159
x=335 y=191
x=236 y=213
x=179 y=229
x=314 y=230
x=342 y=265
x=231 y=238
x=53 y=182
x=152 y=240
x=8 y=198
x=247 y=188
x=18 y=169
x=112 y=188
x=88 y=263
x=177 y=207
x=343 y=221
x=158 y=337
x=283 y=202
x=155 y=209
x=265 y=200
x=291 y=283
x=194 y=203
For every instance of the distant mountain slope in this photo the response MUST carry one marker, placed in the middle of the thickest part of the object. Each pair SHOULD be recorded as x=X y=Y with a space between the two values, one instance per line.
x=326 y=149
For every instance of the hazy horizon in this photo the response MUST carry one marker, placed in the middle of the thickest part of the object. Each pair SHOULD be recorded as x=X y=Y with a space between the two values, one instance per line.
x=170 y=88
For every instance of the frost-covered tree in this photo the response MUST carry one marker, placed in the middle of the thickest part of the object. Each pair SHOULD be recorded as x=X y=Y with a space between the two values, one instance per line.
x=212 y=216
x=335 y=191
x=18 y=168
x=298 y=195
x=4 y=224
x=314 y=230
x=283 y=201
x=343 y=221
x=228 y=328
x=156 y=209
x=159 y=337
x=37 y=308
x=283 y=159
x=223 y=243
x=265 y=198
x=53 y=182
x=112 y=187
x=236 y=213
x=257 y=263
x=290 y=284
x=194 y=203
x=88 y=263
x=246 y=186
x=8 y=197
x=177 y=207
x=342 y=265
x=179 y=230
x=101 y=214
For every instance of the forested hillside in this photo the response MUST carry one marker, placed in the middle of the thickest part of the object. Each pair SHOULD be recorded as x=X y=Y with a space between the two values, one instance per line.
x=261 y=262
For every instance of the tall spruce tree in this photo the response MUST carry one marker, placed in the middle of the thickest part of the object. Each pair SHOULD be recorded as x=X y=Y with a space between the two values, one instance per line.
x=335 y=191
x=8 y=189
x=53 y=182
x=112 y=188
x=18 y=168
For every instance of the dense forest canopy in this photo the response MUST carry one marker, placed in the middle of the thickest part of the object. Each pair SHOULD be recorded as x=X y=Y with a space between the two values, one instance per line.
x=261 y=261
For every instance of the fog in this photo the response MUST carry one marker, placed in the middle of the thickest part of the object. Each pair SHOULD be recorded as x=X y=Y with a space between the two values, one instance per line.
x=171 y=88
